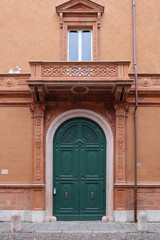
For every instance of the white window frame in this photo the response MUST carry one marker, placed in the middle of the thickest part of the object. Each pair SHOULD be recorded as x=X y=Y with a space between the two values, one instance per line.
x=80 y=43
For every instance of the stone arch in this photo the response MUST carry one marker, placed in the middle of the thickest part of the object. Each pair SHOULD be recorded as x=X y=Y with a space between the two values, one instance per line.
x=109 y=157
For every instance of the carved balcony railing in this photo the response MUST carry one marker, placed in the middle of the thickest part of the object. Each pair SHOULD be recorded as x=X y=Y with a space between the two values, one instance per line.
x=75 y=71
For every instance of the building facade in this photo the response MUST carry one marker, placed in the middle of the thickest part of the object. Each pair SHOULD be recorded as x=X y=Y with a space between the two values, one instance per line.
x=79 y=109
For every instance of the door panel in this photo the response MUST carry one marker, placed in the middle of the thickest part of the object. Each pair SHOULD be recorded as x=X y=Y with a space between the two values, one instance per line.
x=79 y=171
x=92 y=162
x=67 y=162
x=66 y=199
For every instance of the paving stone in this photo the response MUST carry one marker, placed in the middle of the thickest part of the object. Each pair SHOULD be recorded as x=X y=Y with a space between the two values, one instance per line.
x=93 y=228
x=77 y=231
x=79 y=227
x=80 y=236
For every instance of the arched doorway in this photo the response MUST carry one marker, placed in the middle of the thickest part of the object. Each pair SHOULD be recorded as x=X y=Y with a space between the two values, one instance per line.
x=49 y=159
x=79 y=170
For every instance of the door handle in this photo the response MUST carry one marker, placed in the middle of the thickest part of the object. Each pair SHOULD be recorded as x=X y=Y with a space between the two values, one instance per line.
x=54 y=191
x=66 y=195
x=92 y=196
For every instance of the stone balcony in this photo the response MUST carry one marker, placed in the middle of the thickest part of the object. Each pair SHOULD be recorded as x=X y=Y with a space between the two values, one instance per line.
x=75 y=71
x=50 y=78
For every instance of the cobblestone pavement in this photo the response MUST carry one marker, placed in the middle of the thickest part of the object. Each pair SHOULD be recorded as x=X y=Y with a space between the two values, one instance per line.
x=79 y=231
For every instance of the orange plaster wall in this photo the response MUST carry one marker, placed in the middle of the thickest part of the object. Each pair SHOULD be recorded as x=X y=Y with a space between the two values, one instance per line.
x=148 y=35
x=148 y=144
x=117 y=37
x=30 y=30
x=130 y=145
x=16 y=144
x=116 y=31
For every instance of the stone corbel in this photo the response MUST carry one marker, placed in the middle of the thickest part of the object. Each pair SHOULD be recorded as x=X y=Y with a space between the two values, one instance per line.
x=37 y=110
x=121 y=93
x=38 y=93
x=33 y=94
x=120 y=112
x=98 y=20
x=61 y=20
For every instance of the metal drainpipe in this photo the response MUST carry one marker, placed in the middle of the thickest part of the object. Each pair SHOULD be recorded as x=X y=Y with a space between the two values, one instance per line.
x=135 y=111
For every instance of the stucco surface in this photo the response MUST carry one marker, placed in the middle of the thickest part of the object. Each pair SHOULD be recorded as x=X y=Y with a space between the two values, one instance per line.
x=148 y=144
x=30 y=31
x=16 y=144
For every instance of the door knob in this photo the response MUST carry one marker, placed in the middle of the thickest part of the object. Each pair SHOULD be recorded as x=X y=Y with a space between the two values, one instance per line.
x=92 y=195
x=66 y=195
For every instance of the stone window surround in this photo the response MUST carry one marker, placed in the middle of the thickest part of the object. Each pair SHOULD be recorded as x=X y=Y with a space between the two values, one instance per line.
x=89 y=18
x=95 y=38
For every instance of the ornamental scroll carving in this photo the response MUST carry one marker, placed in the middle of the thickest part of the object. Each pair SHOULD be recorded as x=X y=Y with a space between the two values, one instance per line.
x=120 y=142
x=50 y=114
x=108 y=111
x=38 y=121
x=78 y=71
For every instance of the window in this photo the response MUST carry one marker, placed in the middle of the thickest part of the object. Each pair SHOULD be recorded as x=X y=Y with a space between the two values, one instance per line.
x=80 y=45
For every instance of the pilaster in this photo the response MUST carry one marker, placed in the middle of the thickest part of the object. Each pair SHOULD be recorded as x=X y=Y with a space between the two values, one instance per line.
x=38 y=146
x=120 y=142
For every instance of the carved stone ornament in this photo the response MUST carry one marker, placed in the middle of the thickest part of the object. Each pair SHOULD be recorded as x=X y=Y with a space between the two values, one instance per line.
x=121 y=109
x=120 y=141
x=38 y=123
x=38 y=142
x=49 y=115
x=9 y=82
x=37 y=109
x=79 y=71
x=80 y=90
x=146 y=82
x=109 y=113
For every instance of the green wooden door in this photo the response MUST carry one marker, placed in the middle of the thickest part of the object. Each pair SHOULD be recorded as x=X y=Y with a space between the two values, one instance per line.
x=79 y=170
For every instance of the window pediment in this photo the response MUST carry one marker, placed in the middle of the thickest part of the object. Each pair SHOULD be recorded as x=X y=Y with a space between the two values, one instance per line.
x=79 y=6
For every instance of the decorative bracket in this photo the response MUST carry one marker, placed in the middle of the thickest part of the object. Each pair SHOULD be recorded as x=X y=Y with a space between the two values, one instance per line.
x=37 y=93
x=61 y=20
x=121 y=93
x=99 y=20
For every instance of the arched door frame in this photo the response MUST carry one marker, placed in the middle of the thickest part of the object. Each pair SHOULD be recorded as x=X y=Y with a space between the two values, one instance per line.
x=109 y=157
